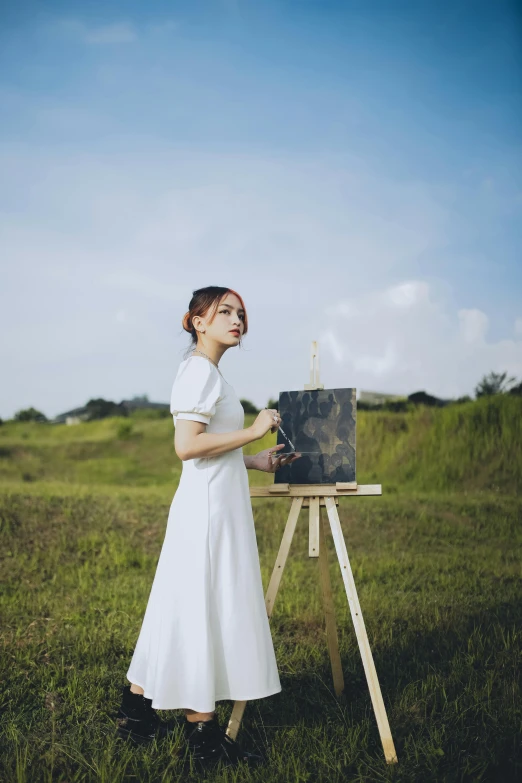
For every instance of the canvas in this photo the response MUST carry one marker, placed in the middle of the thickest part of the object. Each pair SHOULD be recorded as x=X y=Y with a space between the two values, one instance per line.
x=321 y=421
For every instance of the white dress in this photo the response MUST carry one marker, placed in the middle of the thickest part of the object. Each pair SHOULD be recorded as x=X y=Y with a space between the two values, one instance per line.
x=205 y=635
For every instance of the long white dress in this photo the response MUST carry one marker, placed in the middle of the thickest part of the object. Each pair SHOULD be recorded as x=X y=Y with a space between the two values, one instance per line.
x=205 y=635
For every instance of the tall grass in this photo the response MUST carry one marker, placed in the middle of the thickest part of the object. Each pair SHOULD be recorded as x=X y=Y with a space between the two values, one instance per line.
x=473 y=446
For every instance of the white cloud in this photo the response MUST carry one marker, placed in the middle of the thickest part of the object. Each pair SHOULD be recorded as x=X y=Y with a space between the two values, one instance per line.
x=116 y=33
x=121 y=32
x=404 y=338
x=407 y=295
x=334 y=345
x=473 y=325
x=378 y=365
x=518 y=327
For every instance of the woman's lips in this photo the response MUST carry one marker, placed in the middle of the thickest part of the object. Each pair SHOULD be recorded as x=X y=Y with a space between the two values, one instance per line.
x=235 y=331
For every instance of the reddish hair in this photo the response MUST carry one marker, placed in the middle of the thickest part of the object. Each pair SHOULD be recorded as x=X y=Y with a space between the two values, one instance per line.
x=203 y=300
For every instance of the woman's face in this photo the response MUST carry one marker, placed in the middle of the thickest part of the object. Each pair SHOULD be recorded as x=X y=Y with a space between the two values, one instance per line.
x=228 y=325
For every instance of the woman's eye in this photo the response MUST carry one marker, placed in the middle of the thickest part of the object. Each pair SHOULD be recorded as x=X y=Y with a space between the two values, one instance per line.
x=228 y=311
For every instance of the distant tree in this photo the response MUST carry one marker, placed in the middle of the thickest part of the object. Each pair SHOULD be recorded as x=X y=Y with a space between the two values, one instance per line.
x=101 y=409
x=273 y=404
x=150 y=413
x=140 y=398
x=248 y=406
x=423 y=398
x=516 y=389
x=29 y=414
x=460 y=400
x=493 y=383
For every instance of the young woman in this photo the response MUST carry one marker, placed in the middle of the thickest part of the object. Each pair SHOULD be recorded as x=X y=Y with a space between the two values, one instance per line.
x=205 y=636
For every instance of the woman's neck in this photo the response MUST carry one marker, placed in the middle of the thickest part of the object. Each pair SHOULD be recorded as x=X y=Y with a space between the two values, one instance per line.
x=213 y=350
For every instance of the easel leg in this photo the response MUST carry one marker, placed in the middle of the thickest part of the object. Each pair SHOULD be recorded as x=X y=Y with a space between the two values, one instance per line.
x=271 y=594
x=329 y=613
x=314 y=524
x=282 y=555
x=360 y=630
x=236 y=716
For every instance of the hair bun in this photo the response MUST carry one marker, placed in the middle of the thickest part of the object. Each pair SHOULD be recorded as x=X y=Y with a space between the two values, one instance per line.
x=186 y=322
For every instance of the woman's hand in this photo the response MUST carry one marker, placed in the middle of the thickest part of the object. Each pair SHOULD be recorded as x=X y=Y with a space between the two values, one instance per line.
x=267 y=419
x=264 y=460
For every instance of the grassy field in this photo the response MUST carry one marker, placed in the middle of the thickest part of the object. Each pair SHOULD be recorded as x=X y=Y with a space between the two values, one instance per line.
x=436 y=561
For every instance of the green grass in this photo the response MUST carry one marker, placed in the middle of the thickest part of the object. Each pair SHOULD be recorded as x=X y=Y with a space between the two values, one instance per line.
x=474 y=446
x=436 y=563
x=94 y=454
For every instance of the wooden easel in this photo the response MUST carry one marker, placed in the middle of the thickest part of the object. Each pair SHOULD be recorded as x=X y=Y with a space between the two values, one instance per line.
x=313 y=496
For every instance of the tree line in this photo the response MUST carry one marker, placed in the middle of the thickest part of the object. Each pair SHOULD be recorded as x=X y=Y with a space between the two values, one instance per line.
x=491 y=384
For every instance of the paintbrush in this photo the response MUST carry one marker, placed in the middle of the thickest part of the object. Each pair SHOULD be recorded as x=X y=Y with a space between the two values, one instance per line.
x=285 y=436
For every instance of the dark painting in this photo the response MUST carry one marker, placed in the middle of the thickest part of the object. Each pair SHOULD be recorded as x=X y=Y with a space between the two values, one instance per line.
x=321 y=422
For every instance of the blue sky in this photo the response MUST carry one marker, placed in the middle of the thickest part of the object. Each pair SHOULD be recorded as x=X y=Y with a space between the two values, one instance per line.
x=353 y=169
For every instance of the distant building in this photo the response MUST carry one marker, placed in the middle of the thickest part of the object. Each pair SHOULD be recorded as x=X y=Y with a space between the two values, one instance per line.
x=379 y=398
x=72 y=417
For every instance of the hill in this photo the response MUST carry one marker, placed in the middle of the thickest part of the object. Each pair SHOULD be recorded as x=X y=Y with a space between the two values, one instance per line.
x=472 y=446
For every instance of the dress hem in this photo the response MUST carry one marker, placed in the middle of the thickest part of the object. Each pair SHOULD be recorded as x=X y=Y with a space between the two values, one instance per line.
x=221 y=697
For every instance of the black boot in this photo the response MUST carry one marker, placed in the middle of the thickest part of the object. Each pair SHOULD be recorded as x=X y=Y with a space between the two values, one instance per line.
x=208 y=743
x=138 y=721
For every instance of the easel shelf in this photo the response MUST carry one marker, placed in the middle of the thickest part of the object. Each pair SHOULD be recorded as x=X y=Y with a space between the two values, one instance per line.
x=313 y=490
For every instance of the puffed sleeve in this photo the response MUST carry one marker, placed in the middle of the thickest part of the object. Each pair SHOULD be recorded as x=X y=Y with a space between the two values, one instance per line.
x=195 y=391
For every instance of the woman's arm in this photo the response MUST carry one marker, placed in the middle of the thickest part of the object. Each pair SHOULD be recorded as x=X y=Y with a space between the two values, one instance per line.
x=192 y=441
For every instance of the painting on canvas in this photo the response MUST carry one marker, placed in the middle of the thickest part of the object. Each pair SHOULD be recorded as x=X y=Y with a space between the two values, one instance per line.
x=321 y=424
